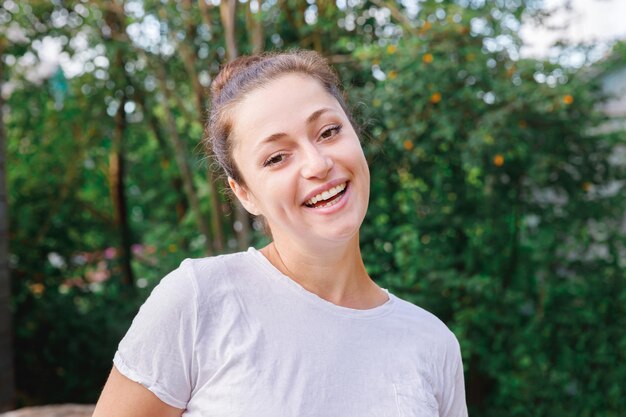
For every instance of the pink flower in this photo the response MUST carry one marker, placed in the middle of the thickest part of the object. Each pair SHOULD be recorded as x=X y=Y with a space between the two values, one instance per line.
x=100 y=274
x=137 y=249
x=110 y=253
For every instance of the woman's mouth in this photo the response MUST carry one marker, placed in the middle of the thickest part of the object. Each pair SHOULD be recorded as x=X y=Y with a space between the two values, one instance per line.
x=327 y=198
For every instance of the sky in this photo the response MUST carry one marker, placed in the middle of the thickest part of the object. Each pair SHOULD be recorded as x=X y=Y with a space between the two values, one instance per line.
x=591 y=21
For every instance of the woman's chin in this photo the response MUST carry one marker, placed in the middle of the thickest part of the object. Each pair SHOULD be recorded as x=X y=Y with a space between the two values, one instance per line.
x=333 y=239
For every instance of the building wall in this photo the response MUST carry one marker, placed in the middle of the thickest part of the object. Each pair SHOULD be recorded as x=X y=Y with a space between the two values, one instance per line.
x=614 y=84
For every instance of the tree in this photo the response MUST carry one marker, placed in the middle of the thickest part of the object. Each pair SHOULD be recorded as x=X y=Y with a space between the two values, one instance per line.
x=7 y=383
x=491 y=207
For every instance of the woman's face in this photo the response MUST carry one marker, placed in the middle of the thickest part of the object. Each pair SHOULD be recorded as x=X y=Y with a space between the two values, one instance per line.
x=294 y=145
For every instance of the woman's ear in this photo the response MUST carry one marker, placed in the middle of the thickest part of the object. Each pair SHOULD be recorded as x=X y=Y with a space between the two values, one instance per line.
x=244 y=196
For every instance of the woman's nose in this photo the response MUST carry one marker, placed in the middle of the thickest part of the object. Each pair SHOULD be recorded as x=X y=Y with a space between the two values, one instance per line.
x=316 y=163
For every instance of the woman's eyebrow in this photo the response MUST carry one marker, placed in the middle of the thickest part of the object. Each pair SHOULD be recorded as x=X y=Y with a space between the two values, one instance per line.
x=311 y=119
x=316 y=115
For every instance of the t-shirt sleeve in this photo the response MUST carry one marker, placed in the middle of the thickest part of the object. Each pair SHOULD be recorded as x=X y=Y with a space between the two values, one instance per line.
x=453 y=404
x=158 y=349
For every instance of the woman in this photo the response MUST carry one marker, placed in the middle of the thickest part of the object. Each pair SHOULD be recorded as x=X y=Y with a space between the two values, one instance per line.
x=297 y=328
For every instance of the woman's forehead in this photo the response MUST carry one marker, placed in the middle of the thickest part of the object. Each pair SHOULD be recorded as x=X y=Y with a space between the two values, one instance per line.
x=284 y=91
x=286 y=103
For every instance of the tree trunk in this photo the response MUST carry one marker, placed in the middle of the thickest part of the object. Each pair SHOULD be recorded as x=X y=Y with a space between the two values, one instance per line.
x=204 y=11
x=254 y=23
x=227 y=14
x=180 y=153
x=115 y=21
x=7 y=379
x=153 y=121
x=118 y=193
x=188 y=55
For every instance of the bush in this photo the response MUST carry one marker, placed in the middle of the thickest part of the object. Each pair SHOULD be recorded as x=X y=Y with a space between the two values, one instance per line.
x=492 y=207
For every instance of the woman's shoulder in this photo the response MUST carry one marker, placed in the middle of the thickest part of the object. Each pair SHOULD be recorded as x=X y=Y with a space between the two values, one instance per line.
x=216 y=263
x=196 y=284
x=425 y=324
x=213 y=269
x=210 y=275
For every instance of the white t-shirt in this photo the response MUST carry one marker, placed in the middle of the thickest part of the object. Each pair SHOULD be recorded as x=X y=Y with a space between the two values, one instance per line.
x=231 y=336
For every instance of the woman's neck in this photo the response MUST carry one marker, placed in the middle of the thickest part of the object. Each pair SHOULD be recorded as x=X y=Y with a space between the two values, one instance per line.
x=336 y=275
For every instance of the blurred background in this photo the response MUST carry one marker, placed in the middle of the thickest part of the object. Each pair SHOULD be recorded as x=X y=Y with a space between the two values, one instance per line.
x=496 y=139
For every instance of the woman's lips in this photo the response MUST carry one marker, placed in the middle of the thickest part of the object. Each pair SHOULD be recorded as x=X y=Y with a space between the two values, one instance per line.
x=338 y=203
x=324 y=189
x=327 y=198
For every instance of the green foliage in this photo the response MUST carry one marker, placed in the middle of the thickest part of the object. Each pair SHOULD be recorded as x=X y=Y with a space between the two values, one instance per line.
x=493 y=202
x=66 y=338
x=490 y=207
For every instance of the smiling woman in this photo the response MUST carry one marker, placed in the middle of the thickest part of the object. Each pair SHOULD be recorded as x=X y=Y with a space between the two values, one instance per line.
x=297 y=328
x=284 y=162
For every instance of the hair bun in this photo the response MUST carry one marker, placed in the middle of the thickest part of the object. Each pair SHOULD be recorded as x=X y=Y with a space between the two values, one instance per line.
x=229 y=70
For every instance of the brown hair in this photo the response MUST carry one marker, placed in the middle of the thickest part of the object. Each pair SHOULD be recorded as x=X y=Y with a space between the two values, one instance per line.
x=247 y=73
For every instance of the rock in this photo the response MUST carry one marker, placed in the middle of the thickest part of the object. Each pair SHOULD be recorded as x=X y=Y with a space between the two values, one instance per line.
x=61 y=410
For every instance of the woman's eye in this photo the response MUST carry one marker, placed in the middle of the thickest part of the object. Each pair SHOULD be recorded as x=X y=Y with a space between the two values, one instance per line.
x=274 y=160
x=328 y=133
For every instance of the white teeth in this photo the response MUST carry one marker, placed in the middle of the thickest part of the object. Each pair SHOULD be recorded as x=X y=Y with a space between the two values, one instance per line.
x=326 y=195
